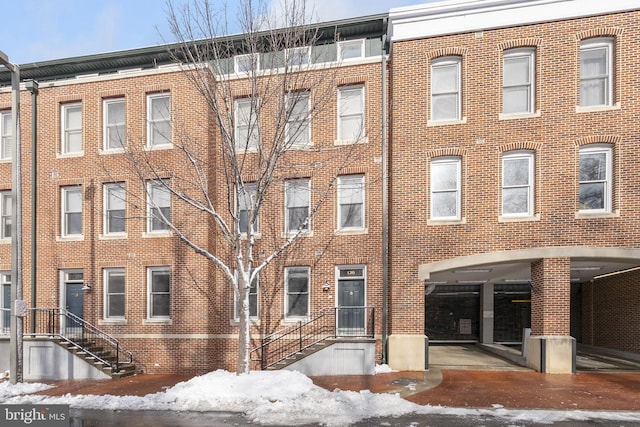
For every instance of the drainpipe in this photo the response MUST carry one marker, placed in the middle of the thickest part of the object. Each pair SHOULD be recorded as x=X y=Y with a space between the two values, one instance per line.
x=383 y=66
x=32 y=86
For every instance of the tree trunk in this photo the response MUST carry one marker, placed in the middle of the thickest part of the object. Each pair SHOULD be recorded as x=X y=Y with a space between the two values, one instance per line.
x=244 y=337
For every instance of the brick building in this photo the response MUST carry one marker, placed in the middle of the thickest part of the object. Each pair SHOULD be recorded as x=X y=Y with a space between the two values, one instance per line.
x=512 y=177
x=103 y=252
x=509 y=200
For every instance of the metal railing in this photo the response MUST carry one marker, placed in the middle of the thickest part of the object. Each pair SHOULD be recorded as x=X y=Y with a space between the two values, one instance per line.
x=59 y=323
x=331 y=322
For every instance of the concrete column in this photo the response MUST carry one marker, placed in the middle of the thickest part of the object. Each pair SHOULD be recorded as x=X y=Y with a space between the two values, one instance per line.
x=486 y=314
x=550 y=348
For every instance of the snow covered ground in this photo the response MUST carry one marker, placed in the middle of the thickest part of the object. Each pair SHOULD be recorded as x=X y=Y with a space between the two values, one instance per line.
x=285 y=398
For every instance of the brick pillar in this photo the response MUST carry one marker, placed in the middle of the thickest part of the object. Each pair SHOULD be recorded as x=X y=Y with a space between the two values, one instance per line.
x=551 y=297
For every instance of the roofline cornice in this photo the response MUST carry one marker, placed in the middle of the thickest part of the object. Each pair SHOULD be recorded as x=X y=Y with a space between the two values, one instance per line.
x=463 y=16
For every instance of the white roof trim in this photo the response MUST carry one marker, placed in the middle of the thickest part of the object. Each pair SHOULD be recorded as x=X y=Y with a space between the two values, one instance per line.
x=461 y=16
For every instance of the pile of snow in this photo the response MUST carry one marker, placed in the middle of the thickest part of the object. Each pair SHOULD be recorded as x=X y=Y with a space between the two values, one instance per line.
x=384 y=369
x=284 y=398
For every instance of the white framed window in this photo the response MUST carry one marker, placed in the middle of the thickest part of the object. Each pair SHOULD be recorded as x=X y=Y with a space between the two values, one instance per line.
x=518 y=81
x=298 y=126
x=158 y=119
x=446 y=88
x=245 y=64
x=247 y=130
x=296 y=285
x=298 y=56
x=246 y=204
x=595 y=178
x=6 y=135
x=158 y=293
x=351 y=202
x=517 y=183
x=596 y=72
x=351 y=113
x=158 y=206
x=114 y=208
x=6 y=214
x=72 y=128
x=297 y=199
x=114 y=295
x=350 y=49
x=72 y=210
x=446 y=188
x=253 y=301
x=114 y=124
x=5 y=302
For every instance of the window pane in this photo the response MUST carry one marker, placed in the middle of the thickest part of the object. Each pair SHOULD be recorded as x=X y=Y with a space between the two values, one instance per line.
x=160 y=108
x=7 y=135
x=74 y=142
x=515 y=200
x=296 y=218
x=592 y=196
x=445 y=107
x=516 y=100
x=116 y=306
x=444 y=204
x=444 y=78
x=298 y=282
x=160 y=306
x=516 y=71
x=351 y=128
x=350 y=101
x=115 y=196
x=593 y=166
x=516 y=172
x=351 y=50
x=74 y=223
x=444 y=176
x=159 y=281
x=116 y=283
x=73 y=117
x=593 y=92
x=116 y=222
x=297 y=305
x=115 y=112
x=351 y=216
x=593 y=62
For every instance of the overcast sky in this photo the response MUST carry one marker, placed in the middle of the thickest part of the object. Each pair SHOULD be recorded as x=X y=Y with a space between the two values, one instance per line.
x=41 y=30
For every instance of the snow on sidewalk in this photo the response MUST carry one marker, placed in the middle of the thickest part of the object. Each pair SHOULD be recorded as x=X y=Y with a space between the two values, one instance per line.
x=283 y=397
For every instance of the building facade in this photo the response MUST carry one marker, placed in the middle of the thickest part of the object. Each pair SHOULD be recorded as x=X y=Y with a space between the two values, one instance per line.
x=512 y=176
x=111 y=133
x=491 y=190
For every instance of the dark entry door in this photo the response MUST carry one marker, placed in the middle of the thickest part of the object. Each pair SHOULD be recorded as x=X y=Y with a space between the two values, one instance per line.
x=351 y=307
x=74 y=298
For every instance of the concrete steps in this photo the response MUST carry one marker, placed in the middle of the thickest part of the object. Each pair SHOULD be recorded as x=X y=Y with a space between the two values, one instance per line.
x=88 y=351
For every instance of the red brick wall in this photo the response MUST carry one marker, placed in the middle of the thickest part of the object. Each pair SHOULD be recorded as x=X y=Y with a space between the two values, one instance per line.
x=200 y=335
x=610 y=315
x=550 y=296
x=554 y=136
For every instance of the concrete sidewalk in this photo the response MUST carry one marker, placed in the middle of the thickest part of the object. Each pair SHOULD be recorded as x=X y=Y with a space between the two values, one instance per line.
x=459 y=376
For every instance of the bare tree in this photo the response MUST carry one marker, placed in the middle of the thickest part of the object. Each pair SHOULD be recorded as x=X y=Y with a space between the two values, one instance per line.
x=262 y=90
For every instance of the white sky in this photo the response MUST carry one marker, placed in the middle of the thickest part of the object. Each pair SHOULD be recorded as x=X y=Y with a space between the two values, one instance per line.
x=41 y=30
x=263 y=400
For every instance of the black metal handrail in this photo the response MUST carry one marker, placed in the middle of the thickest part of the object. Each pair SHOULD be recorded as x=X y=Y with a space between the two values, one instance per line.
x=60 y=323
x=331 y=322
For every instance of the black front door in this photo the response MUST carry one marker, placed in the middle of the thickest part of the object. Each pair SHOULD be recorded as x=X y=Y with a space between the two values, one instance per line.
x=74 y=298
x=351 y=302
